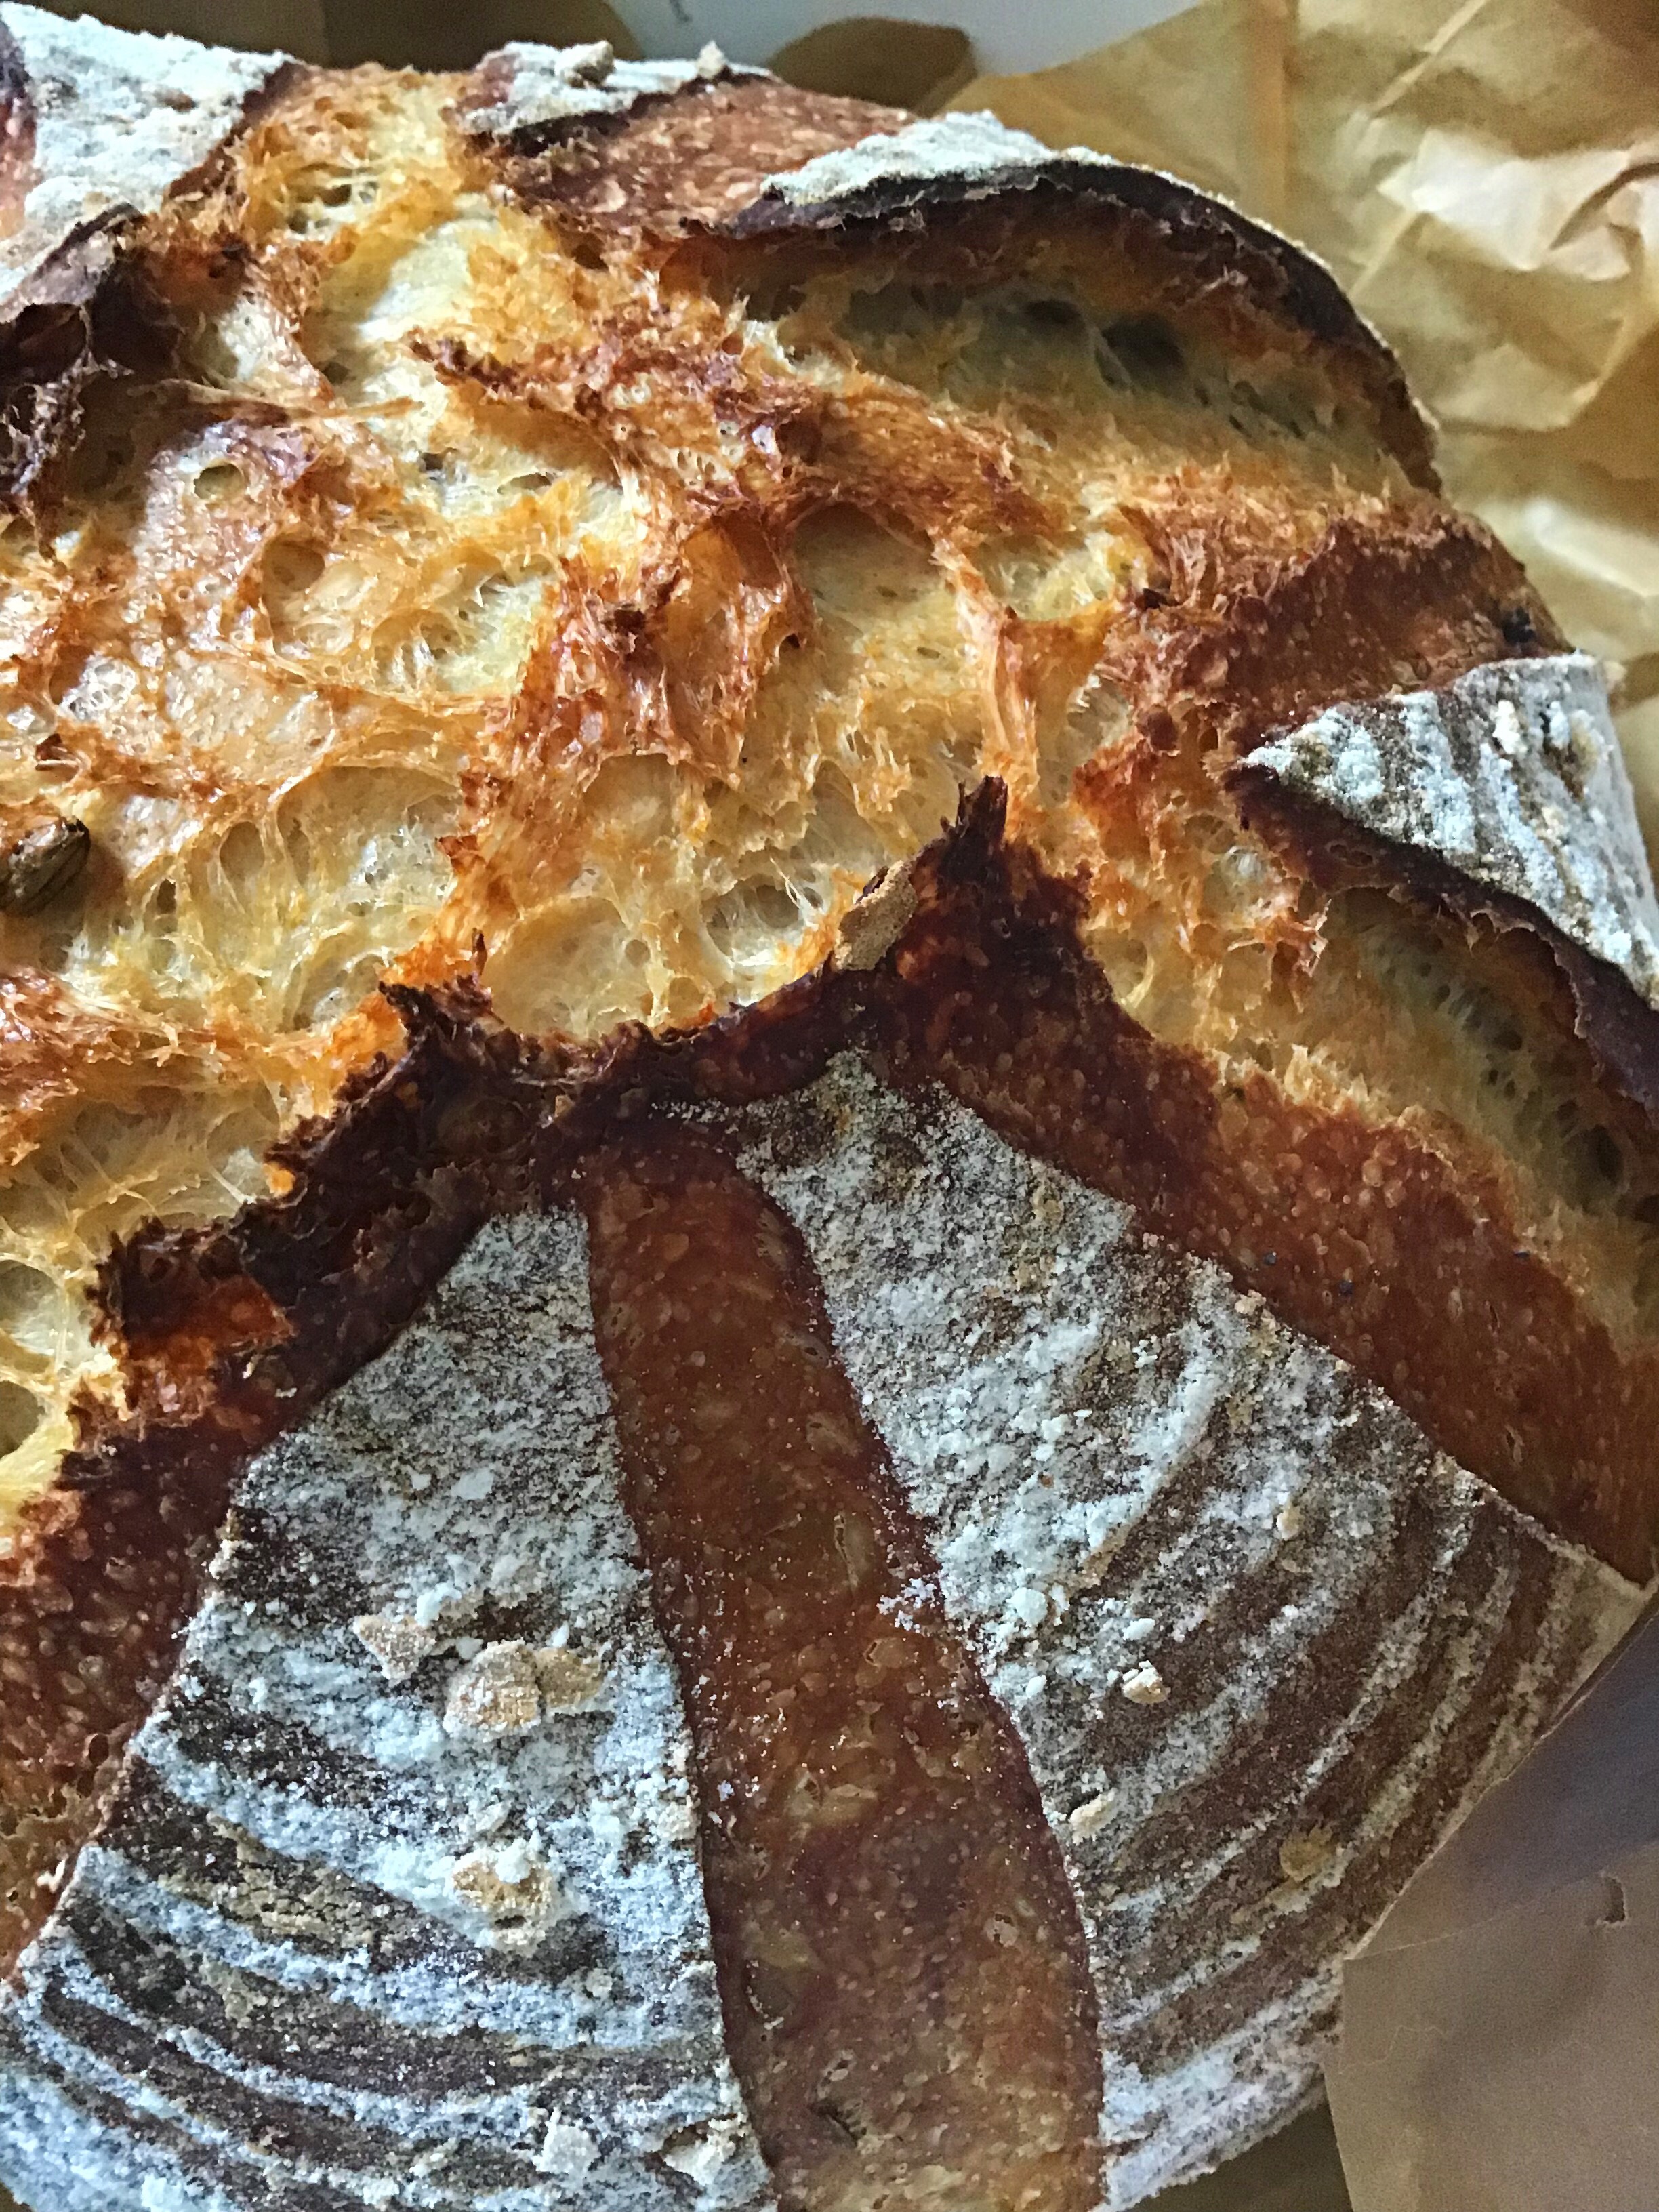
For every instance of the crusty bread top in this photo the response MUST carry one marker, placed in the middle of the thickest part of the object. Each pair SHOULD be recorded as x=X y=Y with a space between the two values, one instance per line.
x=402 y=575
x=739 y=152
x=1512 y=774
x=590 y=540
x=107 y=123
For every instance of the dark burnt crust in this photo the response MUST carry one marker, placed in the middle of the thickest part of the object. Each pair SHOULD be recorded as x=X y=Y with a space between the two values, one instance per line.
x=1617 y=1024
x=457 y=1102
x=469 y=1119
x=66 y=328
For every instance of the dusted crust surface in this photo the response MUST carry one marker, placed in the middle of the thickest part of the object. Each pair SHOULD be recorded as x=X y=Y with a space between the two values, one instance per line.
x=418 y=1807
x=106 y=122
x=1393 y=1238
x=1513 y=776
x=1262 y=1644
x=906 y=1990
x=231 y=1334
x=398 y=1900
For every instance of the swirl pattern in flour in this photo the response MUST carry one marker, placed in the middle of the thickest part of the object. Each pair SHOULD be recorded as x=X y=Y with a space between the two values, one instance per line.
x=1263 y=1645
x=400 y=1902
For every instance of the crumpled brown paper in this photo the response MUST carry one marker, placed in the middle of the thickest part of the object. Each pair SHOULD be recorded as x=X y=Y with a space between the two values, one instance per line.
x=1483 y=176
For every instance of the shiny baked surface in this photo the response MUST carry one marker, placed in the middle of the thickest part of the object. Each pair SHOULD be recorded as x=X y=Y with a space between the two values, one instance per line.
x=616 y=607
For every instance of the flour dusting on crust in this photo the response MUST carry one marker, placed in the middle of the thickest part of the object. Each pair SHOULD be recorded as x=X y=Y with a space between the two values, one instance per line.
x=120 y=117
x=526 y=89
x=431 y=1934
x=1512 y=774
x=1206 y=1569
x=936 y=148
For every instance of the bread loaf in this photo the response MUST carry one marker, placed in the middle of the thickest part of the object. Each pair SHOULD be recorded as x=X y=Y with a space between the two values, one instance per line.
x=831 y=1186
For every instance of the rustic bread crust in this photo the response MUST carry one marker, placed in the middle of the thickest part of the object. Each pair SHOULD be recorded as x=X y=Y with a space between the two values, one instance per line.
x=1560 y=862
x=1251 y=1762
x=98 y=127
x=823 y=364
x=649 y=145
x=753 y=158
x=419 y=1795
x=1511 y=776
x=1393 y=1246
x=102 y=124
x=946 y=162
x=1134 y=1539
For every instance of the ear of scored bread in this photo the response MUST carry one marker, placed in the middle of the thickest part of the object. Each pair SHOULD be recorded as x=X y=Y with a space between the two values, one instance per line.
x=1502 y=795
x=100 y=126
x=596 y=524
x=97 y=127
x=671 y=148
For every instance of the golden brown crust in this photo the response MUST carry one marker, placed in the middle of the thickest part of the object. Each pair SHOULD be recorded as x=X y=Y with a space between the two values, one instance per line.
x=1205 y=250
x=805 y=551
x=698 y=158
x=1409 y=1263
